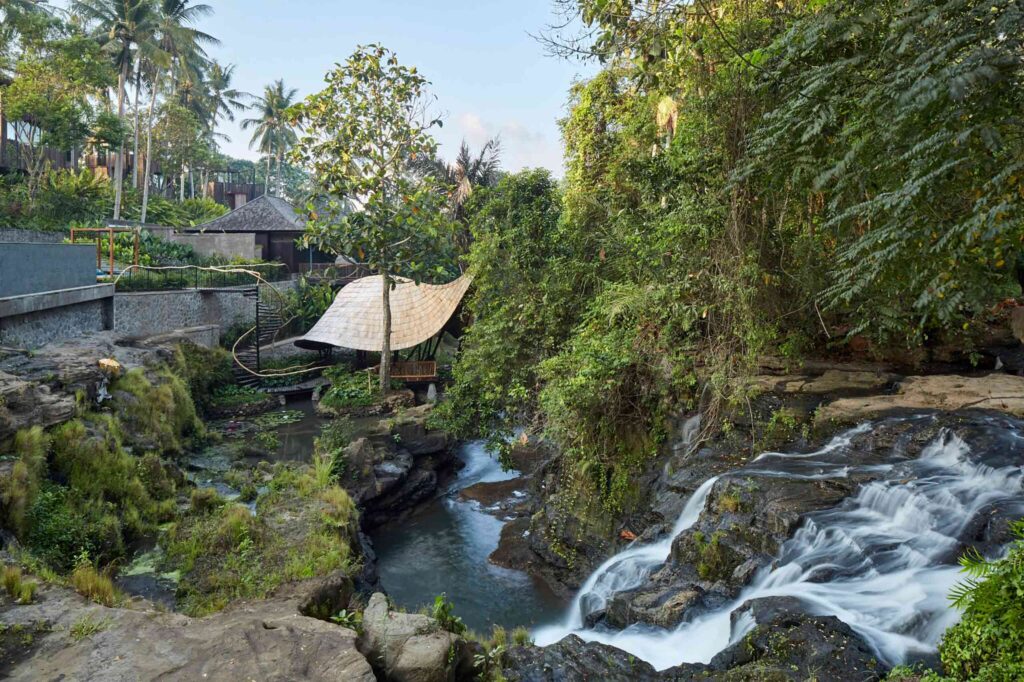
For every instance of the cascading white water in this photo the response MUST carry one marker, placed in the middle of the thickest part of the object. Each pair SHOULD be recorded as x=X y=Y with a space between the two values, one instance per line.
x=880 y=561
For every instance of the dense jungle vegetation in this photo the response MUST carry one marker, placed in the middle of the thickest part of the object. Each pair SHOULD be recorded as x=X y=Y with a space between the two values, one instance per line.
x=744 y=179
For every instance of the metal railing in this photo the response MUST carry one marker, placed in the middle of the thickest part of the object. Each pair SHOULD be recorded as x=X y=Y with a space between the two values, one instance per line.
x=143 y=278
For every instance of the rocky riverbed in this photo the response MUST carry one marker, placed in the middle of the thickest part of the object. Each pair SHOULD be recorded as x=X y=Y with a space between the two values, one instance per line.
x=732 y=566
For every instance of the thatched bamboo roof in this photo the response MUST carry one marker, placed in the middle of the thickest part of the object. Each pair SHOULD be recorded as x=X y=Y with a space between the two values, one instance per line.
x=355 y=320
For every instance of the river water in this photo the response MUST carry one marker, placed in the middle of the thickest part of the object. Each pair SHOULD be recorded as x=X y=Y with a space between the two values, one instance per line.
x=444 y=548
x=883 y=561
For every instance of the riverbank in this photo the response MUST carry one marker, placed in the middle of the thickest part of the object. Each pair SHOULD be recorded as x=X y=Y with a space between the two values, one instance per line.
x=771 y=548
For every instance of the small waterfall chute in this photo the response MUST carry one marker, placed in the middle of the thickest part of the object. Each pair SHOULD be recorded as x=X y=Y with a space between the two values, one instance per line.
x=881 y=561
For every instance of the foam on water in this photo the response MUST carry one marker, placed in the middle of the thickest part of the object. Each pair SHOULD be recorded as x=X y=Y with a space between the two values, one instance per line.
x=882 y=561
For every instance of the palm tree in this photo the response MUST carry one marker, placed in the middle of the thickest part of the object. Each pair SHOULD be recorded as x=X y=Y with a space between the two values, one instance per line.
x=10 y=9
x=273 y=134
x=123 y=26
x=466 y=173
x=179 y=50
x=221 y=97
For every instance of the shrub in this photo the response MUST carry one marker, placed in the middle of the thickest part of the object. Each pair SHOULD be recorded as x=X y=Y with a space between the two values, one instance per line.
x=988 y=642
x=204 y=500
x=160 y=415
x=19 y=489
x=27 y=592
x=329 y=446
x=61 y=525
x=12 y=580
x=233 y=395
x=349 y=389
x=204 y=370
x=341 y=509
x=92 y=584
x=87 y=626
x=444 y=613
x=521 y=637
x=236 y=525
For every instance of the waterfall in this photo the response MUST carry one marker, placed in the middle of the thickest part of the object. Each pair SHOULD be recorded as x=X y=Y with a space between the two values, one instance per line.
x=882 y=561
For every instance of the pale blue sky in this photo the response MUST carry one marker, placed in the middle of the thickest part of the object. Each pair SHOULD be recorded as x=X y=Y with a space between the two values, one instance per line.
x=490 y=77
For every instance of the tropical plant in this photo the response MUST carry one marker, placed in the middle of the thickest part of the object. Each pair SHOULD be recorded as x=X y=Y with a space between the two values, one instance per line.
x=122 y=27
x=223 y=99
x=360 y=135
x=273 y=134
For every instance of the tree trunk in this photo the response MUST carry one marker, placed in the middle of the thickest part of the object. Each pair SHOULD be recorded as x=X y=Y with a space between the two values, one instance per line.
x=122 y=80
x=191 y=183
x=266 y=180
x=385 y=347
x=149 y=150
x=181 y=184
x=280 y=174
x=135 y=148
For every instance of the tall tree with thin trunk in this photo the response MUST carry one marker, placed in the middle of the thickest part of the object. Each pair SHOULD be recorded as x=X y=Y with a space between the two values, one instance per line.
x=121 y=25
x=359 y=137
x=179 y=48
x=273 y=133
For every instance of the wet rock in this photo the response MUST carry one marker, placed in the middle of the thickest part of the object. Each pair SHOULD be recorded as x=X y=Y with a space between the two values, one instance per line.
x=572 y=660
x=788 y=644
x=410 y=647
x=396 y=467
x=265 y=640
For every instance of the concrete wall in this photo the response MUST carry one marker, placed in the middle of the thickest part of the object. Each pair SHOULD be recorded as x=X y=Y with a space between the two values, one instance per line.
x=33 y=320
x=224 y=244
x=33 y=268
x=13 y=234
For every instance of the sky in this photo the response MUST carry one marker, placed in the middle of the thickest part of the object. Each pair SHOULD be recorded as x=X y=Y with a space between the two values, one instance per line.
x=489 y=75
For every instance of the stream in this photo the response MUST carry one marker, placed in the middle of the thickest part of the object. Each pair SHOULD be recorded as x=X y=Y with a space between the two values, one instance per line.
x=443 y=548
x=883 y=561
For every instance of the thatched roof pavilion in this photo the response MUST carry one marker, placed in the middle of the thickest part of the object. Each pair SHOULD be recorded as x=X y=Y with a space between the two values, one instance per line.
x=356 y=319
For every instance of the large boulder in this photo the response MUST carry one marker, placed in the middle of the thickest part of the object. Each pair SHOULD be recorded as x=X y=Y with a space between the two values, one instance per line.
x=786 y=643
x=573 y=660
x=411 y=647
x=264 y=640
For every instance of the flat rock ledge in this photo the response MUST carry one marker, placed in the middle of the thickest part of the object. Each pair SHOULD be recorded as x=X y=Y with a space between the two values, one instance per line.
x=945 y=392
x=264 y=640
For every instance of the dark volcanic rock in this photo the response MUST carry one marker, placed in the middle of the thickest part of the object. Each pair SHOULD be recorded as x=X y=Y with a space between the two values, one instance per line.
x=572 y=660
x=397 y=467
x=788 y=644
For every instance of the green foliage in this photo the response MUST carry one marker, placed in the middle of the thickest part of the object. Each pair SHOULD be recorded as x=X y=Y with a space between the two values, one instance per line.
x=899 y=120
x=360 y=136
x=522 y=303
x=309 y=301
x=353 y=620
x=329 y=448
x=87 y=626
x=349 y=389
x=17 y=587
x=92 y=584
x=204 y=370
x=158 y=414
x=444 y=613
x=300 y=531
x=234 y=395
x=988 y=642
x=18 y=490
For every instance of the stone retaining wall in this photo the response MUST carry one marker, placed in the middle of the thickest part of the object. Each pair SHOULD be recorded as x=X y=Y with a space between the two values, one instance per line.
x=19 y=236
x=33 y=320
